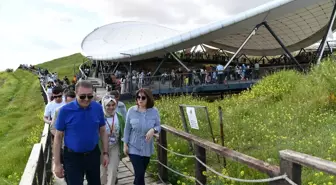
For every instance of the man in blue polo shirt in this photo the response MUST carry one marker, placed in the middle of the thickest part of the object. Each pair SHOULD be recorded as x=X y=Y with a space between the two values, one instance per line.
x=81 y=122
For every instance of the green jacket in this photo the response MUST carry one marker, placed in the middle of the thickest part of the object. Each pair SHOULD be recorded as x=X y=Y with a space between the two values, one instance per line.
x=121 y=135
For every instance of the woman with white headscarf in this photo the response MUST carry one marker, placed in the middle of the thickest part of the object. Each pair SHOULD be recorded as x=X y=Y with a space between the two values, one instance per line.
x=114 y=126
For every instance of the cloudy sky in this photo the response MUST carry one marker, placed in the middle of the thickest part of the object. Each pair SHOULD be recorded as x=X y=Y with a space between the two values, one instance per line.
x=40 y=30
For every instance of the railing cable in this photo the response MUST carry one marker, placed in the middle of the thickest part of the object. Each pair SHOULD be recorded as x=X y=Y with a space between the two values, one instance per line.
x=285 y=177
x=153 y=174
x=179 y=173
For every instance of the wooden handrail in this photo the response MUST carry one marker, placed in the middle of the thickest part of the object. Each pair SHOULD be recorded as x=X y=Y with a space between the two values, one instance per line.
x=38 y=168
x=252 y=162
x=309 y=161
x=29 y=176
x=291 y=163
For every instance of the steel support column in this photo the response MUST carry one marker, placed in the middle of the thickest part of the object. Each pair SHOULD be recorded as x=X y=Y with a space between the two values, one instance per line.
x=179 y=61
x=125 y=66
x=115 y=68
x=281 y=44
x=330 y=49
x=221 y=50
x=130 y=70
x=131 y=75
x=102 y=73
x=243 y=55
x=323 y=43
x=203 y=48
x=241 y=47
x=159 y=66
x=301 y=50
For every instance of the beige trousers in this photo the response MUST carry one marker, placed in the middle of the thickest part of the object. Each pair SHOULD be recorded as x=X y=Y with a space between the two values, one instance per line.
x=109 y=175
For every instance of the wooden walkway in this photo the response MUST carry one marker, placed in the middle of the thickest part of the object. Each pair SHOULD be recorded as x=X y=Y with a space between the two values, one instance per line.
x=125 y=175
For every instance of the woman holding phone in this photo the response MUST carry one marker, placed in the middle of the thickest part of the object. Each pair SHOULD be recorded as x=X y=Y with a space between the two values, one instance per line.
x=142 y=122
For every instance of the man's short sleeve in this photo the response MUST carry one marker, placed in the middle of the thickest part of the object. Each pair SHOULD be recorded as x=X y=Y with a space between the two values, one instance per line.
x=101 y=117
x=60 y=120
x=47 y=112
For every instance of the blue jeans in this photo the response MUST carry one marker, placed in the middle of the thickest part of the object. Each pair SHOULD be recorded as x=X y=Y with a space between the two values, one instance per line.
x=140 y=164
x=78 y=164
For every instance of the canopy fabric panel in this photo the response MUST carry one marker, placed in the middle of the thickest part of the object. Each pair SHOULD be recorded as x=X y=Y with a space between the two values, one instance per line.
x=298 y=23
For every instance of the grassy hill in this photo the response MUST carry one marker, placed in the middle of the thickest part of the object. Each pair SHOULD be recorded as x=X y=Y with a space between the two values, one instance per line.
x=21 y=112
x=64 y=66
x=287 y=110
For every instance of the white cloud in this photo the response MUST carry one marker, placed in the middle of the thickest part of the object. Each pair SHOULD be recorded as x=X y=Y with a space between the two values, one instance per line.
x=40 y=30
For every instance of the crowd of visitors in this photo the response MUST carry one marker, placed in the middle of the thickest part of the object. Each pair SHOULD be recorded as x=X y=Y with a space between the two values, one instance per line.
x=90 y=136
x=118 y=77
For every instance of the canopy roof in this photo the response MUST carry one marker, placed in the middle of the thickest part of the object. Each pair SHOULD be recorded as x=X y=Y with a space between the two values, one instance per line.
x=298 y=23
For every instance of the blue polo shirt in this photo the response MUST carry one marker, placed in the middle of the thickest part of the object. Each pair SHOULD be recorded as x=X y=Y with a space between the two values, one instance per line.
x=80 y=126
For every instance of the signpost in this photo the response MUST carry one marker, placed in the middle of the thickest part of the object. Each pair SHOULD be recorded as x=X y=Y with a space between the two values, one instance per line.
x=192 y=117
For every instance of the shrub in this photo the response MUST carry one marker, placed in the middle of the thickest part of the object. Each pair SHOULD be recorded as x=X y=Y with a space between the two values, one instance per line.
x=9 y=70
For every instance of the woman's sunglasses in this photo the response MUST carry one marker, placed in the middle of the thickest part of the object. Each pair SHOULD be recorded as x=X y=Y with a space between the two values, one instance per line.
x=143 y=98
x=82 y=97
x=109 y=96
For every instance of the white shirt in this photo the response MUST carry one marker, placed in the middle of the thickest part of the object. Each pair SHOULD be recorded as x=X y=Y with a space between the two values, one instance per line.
x=51 y=107
x=220 y=69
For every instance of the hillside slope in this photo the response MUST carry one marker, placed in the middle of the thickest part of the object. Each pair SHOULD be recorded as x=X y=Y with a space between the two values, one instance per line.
x=64 y=66
x=286 y=110
x=21 y=111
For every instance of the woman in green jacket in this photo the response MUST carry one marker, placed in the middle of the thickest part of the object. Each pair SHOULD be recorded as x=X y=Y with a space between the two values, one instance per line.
x=114 y=127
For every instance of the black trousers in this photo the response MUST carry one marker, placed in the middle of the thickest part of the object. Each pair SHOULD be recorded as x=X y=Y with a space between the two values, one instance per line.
x=76 y=165
x=140 y=164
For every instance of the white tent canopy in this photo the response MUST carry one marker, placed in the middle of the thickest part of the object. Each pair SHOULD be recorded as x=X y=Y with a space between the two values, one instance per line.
x=298 y=23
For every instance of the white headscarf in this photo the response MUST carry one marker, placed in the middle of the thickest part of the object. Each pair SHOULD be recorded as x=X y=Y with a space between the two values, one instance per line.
x=105 y=100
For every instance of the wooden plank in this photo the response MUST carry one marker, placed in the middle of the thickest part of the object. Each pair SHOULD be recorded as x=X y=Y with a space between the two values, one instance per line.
x=31 y=167
x=125 y=174
x=252 y=162
x=292 y=170
x=44 y=137
x=121 y=164
x=122 y=169
x=200 y=154
x=162 y=156
x=309 y=161
x=128 y=164
x=126 y=181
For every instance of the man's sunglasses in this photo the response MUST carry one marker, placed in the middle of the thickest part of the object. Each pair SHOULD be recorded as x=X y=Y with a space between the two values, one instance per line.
x=58 y=96
x=82 y=97
x=141 y=98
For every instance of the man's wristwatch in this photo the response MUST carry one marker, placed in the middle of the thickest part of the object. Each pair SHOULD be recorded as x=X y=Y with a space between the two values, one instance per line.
x=106 y=153
x=155 y=131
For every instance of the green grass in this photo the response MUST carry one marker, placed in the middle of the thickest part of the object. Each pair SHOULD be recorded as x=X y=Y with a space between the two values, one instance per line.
x=286 y=110
x=64 y=66
x=21 y=112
